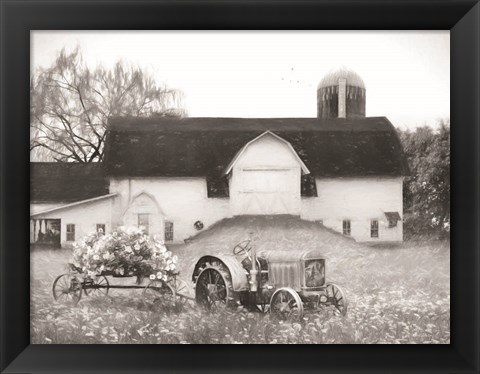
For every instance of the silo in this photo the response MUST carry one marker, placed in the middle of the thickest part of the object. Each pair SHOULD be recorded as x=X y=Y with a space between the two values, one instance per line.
x=341 y=94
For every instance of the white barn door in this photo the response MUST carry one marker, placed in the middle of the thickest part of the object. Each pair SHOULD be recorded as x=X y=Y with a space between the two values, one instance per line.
x=265 y=178
x=269 y=191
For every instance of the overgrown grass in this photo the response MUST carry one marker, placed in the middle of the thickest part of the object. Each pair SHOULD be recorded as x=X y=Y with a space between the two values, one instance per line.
x=396 y=295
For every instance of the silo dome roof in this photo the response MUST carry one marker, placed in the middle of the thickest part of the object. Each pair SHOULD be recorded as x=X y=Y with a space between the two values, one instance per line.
x=332 y=77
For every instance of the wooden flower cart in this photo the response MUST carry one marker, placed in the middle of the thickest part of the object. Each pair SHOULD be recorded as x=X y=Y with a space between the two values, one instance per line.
x=70 y=286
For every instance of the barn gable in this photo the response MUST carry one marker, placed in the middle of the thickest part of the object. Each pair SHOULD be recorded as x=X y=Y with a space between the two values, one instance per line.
x=270 y=156
x=265 y=177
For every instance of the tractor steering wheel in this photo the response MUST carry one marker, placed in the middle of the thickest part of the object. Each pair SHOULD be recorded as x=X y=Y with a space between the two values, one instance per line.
x=243 y=248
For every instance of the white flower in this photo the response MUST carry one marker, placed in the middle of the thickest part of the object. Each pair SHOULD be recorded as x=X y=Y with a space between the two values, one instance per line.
x=159 y=275
x=163 y=250
x=165 y=277
x=96 y=257
x=152 y=276
x=106 y=256
x=175 y=258
x=128 y=249
x=136 y=247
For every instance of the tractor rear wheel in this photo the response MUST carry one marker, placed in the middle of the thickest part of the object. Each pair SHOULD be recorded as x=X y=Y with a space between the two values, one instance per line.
x=213 y=287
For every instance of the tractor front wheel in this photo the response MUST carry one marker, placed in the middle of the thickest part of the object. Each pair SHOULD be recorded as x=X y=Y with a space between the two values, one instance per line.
x=286 y=304
x=336 y=297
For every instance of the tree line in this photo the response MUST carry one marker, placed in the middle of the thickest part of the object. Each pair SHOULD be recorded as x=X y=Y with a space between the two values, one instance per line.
x=426 y=192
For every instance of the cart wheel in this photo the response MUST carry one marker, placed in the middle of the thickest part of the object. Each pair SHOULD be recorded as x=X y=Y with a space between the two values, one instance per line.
x=181 y=288
x=98 y=286
x=159 y=295
x=337 y=298
x=67 y=288
x=286 y=304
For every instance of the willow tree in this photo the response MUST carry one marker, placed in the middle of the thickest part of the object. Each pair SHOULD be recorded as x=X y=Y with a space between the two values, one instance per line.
x=70 y=105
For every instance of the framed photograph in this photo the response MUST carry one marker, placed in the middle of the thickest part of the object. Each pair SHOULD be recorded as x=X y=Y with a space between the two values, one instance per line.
x=239 y=173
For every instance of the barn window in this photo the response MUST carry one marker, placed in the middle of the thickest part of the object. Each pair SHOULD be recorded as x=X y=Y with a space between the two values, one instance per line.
x=143 y=222
x=70 y=232
x=101 y=228
x=346 y=227
x=168 y=231
x=374 y=228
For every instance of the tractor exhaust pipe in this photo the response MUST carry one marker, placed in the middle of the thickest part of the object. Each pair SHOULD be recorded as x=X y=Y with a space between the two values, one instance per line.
x=254 y=270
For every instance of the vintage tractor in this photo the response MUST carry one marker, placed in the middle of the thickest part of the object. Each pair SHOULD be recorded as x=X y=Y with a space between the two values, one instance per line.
x=283 y=282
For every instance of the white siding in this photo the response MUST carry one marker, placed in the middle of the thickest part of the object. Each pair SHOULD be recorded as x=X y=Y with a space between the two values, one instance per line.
x=359 y=200
x=84 y=216
x=182 y=201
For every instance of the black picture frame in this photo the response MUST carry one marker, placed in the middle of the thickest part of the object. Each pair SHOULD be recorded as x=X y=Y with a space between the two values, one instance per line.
x=18 y=17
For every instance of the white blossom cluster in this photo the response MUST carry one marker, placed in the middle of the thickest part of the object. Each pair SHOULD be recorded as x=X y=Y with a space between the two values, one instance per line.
x=128 y=251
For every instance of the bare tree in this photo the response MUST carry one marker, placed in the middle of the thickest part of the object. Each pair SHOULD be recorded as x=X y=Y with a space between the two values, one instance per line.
x=70 y=105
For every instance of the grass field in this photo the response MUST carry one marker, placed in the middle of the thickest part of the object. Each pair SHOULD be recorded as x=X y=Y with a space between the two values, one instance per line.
x=396 y=295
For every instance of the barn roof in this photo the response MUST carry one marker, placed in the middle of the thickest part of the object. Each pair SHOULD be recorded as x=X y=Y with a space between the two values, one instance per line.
x=66 y=182
x=180 y=147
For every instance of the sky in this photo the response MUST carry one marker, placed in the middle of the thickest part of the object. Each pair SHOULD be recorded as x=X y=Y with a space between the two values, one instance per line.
x=275 y=73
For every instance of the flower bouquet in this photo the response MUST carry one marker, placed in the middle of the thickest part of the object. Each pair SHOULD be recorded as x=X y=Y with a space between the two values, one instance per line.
x=127 y=252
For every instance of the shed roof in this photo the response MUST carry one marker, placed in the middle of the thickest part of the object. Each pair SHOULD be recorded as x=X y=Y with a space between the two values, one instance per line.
x=173 y=147
x=66 y=181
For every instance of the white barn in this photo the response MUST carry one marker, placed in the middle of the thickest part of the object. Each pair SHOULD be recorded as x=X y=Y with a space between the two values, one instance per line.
x=177 y=177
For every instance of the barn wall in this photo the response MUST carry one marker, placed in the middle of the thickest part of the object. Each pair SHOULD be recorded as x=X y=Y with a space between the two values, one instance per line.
x=182 y=201
x=359 y=200
x=85 y=217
